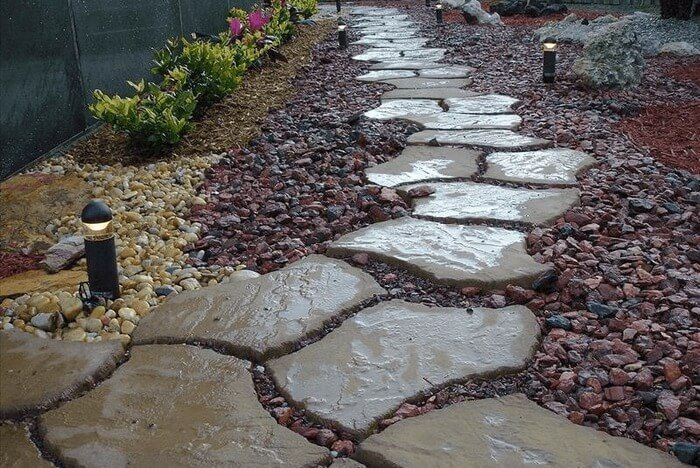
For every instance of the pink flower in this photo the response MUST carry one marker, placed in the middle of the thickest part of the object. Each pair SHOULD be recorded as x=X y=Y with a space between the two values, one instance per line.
x=236 y=27
x=257 y=20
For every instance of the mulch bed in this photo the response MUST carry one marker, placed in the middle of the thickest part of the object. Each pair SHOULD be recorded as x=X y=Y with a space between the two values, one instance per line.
x=13 y=263
x=230 y=123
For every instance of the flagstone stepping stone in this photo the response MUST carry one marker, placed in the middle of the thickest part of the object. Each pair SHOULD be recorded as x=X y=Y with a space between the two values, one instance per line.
x=484 y=104
x=405 y=65
x=426 y=93
x=415 y=83
x=398 y=350
x=346 y=463
x=553 y=166
x=451 y=71
x=383 y=75
x=37 y=373
x=377 y=55
x=393 y=34
x=18 y=451
x=451 y=254
x=500 y=432
x=460 y=202
x=498 y=139
x=264 y=316
x=398 y=44
x=449 y=121
x=423 y=163
x=398 y=108
x=375 y=11
x=425 y=54
x=175 y=406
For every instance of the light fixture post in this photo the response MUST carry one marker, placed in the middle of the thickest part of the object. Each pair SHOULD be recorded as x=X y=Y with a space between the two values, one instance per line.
x=343 y=36
x=549 y=48
x=337 y=5
x=100 y=250
x=438 y=13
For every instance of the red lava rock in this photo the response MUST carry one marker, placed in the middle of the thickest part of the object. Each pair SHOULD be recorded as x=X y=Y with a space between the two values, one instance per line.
x=470 y=291
x=283 y=415
x=615 y=393
x=576 y=417
x=360 y=259
x=668 y=404
x=421 y=191
x=407 y=410
x=588 y=400
x=326 y=437
x=671 y=370
x=618 y=376
x=343 y=447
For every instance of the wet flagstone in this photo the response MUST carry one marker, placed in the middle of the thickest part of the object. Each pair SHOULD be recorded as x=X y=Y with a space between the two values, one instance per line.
x=398 y=350
x=449 y=121
x=378 y=55
x=383 y=75
x=398 y=34
x=175 y=405
x=399 y=44
x=451 y=254
x=36 y=373
x=503 y=432
x=399 y=108
x=484 y=104
x=264 y=316
x=17 y=450
x=422 y=163
x=447 y=71
x=425 y=54
x=405 y=65
x=415 y=83
x=461 y=202
x=437 y=94
x=552 y=166
x=498 y=139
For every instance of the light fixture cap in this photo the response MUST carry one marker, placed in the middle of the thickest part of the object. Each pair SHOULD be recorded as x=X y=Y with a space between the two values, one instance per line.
x=549 y=44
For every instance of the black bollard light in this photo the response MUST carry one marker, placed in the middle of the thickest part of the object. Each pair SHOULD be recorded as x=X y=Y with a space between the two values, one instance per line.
x=100 y=250
x=343 y=36
x=549 y=47
x=427 y=3
x=438 y=13
x=337 y=5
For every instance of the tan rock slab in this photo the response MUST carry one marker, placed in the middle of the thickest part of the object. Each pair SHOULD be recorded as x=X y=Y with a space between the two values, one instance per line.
x=39 y=280
x=553 y=166
x=462 y=202
x=438 y=94
x=447 y=71
x=497 y=139
x=17 y=450
x=425 y=83
x=401 y=108
x=175 y=406
x=450 y=121
x=456 y=255
x=484 y=104
x=382 y=75
x=510 y=431
x=423 y=163
x=37 y=373
x=265 y=316
x=395 y=351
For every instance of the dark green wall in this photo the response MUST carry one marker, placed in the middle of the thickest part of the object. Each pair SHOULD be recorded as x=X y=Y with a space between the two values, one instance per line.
x=54 y=53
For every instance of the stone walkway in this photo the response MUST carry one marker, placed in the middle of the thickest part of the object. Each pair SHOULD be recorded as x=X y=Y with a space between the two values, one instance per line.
x=325 y=331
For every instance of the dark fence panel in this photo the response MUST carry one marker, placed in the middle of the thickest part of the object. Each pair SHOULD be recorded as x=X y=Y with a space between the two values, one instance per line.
x=54 y=53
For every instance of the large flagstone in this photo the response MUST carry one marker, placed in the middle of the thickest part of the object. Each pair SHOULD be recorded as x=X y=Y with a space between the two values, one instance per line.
x=431 y=55
x=399 y=108
x=398 y=44
x=449 y=121
x=383 y=75
x=461 y=202
x=484 y=104
x=405 y=64
x=37 y=373
x=264 y=316
x=447 y=71
x=175 y=405
x=17 y=450
x=423 y=163
x=498 y=139
x=553 y=166
x=450 y=254
x=425 y=83
x=438 y=94
x=509 y=431
x=397 y=34
x=377 y=55
x=397 y=350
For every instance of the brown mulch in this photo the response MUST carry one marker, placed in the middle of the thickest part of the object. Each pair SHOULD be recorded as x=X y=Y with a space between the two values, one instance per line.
x=687 y=71
x=230 y=123
x=671 y=132
x=12 y=263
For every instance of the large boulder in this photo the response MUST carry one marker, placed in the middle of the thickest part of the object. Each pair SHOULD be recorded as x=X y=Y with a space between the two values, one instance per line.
x=473 y=13
x=684 y=49
x=533 y=8
x=611 y=59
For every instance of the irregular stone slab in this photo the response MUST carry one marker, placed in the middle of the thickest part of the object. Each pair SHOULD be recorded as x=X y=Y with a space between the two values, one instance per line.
x=382 y=75
x=398 y=34
x=553 y=166
x=499 y=139
x=449 y=121
x=18 y=451
x=346 y=463
x=416 y=83
x=387 y=25
x=497 y=432
x=399 y=108
x=432 y=55
x=485 y=104
x=398 y=44
x=451 y=71
x=422 y=163
x=63 y=254
x=38 y=280
x=37 y=373
x=460 y=202
x=175 y=406
x=378 y=55
x=397 y=351
x=385 y=13
x=405 y=65
x=428 y=93
x=265 y=316
x=450 y=254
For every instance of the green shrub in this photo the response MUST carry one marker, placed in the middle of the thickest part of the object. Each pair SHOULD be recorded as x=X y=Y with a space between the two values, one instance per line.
x=306 y=8
x=154 y=117
x=280 y=26
x=213 y=69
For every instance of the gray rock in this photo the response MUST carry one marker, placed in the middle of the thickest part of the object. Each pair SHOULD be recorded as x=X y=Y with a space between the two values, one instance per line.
x=611 y=59
x=49 y=322
x=427 y=93
x=452 y=121
x=484 y=104
x=400 y=108
x=472 y=9
x=18 y=451
x=424 y=83
x=63 y=254
x=497 y=139
x=556 y=166
x=684 y=49
x=384 y=75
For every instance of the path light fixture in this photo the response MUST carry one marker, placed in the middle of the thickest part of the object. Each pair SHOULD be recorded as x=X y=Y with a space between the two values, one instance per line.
x=100 y=250
x=427 y=3
x=549 y=46
x=337 y=5
x=343 y=36
x=438 y=13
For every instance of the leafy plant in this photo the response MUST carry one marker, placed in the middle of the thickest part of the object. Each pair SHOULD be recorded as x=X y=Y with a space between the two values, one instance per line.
x=154 y=117
x=306 y=8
